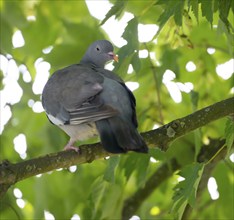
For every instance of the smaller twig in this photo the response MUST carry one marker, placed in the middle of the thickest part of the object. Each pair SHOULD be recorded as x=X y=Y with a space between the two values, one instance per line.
x=160 y=175
x=158 y=93
x=213 y=153
x=132 y=204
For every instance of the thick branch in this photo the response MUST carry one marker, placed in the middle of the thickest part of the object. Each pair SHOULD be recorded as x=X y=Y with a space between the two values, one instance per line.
x=161 y=137
x=13 y=173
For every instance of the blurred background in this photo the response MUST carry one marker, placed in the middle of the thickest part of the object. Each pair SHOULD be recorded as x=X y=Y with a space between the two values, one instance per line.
x=176 y=57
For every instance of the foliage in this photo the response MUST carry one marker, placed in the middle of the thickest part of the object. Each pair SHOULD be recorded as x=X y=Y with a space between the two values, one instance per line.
x=186 y=190
x=187 y=29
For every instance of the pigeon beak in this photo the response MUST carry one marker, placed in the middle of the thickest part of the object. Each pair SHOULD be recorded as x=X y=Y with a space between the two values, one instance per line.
x=114 y=56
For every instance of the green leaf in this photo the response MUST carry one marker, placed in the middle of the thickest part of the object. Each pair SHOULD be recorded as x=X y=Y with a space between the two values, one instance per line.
x=197 y=133
x=137 y=163
x=222 y=28
x=109 y=175
x=98 y=189
x=122 y=66
x=127 y=54
x=74 y=35
x=178 y=13
x=170 y=59
x=223 y=174
x=146 y=11
x=173 y=8
x=6 y=34
x=194 y=7
x=115 y=10
x=207 y=10
x=111 y=206
x=229 y=134
x=136 y=62
x=13 y=12
x=157 y=154
x=131 y=33
x=194 y=99
x=185 y=191
x=142 y=166
x=224 y=8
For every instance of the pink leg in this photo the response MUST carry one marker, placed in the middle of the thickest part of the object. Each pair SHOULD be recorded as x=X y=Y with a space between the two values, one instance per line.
x=70 y=146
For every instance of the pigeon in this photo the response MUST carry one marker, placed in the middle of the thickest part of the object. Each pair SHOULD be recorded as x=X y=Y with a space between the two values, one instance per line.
x=87 y=100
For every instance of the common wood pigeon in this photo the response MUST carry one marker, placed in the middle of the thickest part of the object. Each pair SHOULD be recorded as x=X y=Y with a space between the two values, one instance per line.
x=86 y=100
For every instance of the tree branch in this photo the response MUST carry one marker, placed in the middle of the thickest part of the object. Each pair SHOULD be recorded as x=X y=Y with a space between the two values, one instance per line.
x=132 y=204
x=215 y=147
x=157 y=87
x=12 y=173
x=164 y=135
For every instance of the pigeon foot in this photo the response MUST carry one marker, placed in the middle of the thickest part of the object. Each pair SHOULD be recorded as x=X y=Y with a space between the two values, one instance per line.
x=70 y=146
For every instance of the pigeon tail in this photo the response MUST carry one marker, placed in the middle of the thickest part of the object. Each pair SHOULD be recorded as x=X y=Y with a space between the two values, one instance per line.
x=119 y=136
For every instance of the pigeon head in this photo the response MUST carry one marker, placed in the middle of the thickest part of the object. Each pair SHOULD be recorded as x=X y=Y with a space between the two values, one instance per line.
x=99 y=53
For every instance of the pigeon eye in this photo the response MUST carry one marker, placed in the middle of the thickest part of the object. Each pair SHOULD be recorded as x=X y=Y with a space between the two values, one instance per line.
x=97 y=48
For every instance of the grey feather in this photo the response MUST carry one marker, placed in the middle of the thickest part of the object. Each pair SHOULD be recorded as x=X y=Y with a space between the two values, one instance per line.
x=85 y=99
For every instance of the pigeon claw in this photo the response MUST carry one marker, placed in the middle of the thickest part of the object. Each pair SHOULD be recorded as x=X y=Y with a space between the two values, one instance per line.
x=71 y=148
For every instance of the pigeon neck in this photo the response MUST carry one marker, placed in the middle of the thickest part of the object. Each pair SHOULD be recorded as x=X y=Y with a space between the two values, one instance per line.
x=90 y=63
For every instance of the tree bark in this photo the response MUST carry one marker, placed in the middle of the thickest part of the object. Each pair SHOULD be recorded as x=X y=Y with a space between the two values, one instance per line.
x=11 y=173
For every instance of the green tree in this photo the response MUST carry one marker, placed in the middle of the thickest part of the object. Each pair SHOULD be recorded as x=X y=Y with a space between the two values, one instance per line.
x=184 y=91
